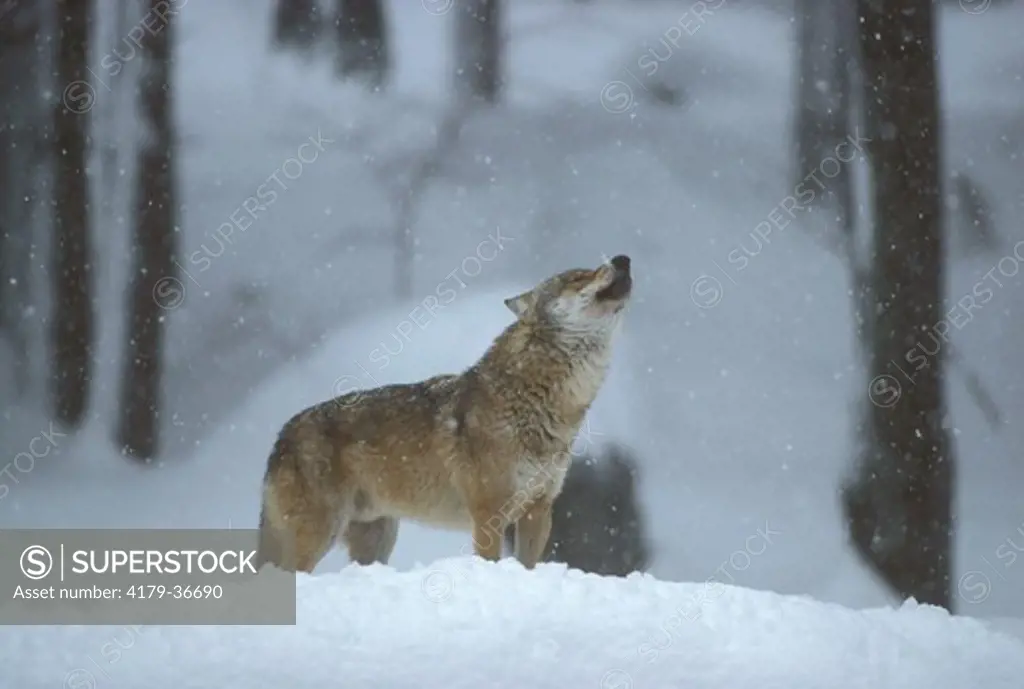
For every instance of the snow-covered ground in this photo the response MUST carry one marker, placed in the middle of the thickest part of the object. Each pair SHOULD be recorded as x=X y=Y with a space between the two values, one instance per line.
x=737 y=391
x=463 y=623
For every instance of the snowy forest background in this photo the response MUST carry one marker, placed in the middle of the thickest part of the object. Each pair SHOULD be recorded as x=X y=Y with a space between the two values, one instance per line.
x=215 y=213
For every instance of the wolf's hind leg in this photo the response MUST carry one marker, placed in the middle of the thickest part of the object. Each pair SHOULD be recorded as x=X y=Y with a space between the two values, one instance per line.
x=312 y=536
x=304 y=533
x=370 y=542
x=295 y=531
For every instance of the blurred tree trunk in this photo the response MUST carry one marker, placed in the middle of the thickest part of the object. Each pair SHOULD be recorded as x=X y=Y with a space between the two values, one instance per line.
x=20 y=110
x=109 y=124
x=72 y=331
x=10 y=44
x=362 y=38
x=296 y=23
x=825 y=47
x=153 y=252
x=899 y=503
x=478 y=51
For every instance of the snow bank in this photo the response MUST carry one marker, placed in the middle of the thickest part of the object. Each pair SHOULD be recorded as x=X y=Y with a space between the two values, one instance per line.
x=466 y=623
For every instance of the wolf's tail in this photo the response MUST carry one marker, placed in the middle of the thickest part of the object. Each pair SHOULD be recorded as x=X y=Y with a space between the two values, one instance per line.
x=268 y=549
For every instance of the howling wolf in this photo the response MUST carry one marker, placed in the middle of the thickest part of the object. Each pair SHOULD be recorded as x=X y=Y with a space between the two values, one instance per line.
x=477 y=451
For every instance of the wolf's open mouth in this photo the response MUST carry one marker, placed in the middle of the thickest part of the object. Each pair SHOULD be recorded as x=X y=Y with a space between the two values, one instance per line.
x=619 y=289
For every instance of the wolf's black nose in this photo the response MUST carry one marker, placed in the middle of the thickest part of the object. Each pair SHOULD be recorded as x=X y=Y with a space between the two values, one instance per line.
x=621 y=263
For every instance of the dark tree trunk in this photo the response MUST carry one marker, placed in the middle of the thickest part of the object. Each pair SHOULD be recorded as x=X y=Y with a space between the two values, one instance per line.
x=155 y=288
x=899 y=504
x=19 y=110
x=72 y=331
x=296 y=23
x=362 y=39
x=110 y=118
x=825 y=43
x=478 y=50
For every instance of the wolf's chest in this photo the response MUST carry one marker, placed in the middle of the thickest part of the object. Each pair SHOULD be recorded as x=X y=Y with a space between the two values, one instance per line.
x=544 y=477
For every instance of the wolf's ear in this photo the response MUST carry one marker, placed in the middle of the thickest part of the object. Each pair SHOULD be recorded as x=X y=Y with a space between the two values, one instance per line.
x=520 y=304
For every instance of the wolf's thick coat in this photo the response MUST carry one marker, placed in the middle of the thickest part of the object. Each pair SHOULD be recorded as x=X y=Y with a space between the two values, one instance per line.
x=475 y=451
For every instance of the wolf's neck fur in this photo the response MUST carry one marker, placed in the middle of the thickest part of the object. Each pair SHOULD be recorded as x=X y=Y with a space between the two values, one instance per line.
x=559 y=372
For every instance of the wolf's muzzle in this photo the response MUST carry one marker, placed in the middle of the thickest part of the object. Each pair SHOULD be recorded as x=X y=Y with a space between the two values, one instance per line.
x=622 y=283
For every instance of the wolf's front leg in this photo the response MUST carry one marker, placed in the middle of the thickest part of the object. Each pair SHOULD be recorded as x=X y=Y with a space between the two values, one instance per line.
x=489 y=526
x=532 y=532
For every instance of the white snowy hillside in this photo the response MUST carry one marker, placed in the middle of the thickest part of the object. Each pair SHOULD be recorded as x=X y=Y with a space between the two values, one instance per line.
x=741 y=413
x=738 y=388
x=466 y=624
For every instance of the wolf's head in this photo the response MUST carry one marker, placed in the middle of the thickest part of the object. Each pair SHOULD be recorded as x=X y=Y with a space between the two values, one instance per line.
x=578 y=301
